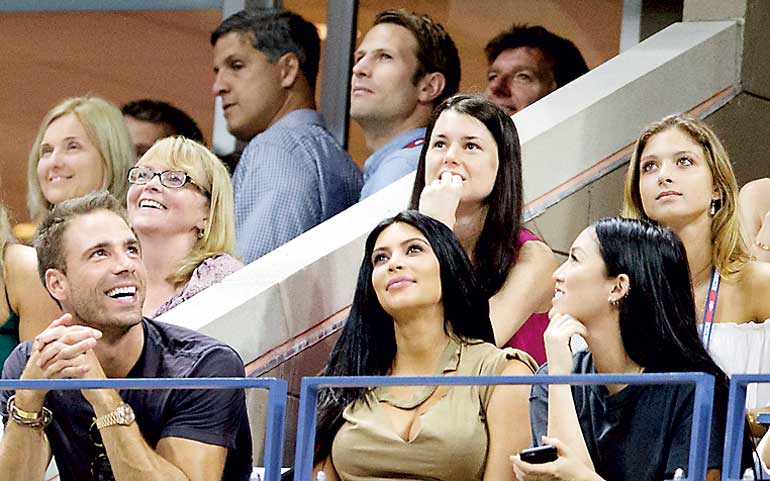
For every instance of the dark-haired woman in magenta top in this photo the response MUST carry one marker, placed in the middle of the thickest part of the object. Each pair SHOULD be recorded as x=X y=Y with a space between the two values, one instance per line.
x=469 y=177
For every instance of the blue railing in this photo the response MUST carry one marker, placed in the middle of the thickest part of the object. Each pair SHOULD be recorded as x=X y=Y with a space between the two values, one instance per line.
x=276 y=401
x=701 y=420
x=731 y=460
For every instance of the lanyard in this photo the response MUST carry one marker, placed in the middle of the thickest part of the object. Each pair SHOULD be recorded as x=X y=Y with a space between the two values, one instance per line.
x=710 y=308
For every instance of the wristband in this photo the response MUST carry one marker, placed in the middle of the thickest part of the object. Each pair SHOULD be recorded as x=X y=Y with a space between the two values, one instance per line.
x=35 y=420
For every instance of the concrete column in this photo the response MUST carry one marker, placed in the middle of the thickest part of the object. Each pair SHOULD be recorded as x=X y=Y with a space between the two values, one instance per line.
x=755 y=17
x=644 y=18
x=698 y=10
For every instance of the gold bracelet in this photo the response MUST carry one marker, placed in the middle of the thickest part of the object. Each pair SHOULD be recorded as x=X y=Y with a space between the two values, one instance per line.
x=762 y=246
x=35 y=420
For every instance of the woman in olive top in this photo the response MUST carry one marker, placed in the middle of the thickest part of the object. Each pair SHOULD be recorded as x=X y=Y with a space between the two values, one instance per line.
x=418 y=311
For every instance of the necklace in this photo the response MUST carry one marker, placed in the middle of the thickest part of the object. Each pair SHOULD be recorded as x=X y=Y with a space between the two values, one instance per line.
x=420 y=397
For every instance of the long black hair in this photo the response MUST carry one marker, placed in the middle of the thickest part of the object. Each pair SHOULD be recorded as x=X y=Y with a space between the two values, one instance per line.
x=497 y=247
x=658 y=323
x=367 y=345
x=657 y=317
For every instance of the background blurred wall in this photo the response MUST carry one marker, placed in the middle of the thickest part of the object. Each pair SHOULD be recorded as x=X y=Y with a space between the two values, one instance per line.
x=122 y=56
x=126 y=55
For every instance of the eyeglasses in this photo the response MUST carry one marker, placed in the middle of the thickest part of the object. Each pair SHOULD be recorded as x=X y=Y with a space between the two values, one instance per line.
x=173 y=179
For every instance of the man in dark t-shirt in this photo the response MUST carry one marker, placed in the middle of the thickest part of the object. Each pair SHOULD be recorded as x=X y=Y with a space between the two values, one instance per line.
x=90 y=262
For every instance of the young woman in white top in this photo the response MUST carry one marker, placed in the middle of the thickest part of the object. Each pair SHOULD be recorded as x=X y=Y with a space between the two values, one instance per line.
x=680 y=177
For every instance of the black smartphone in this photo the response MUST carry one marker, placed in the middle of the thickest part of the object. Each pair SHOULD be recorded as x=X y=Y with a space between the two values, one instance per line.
x=539 y=455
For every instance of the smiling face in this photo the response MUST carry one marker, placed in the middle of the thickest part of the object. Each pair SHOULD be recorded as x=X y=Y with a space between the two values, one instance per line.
x=249 y=85
x=154 y=209
x=462 y=145
x=675 y=181
x=405 y=271
x=383 y=69
x=69 y=164
x=519 y=77
x=582 y=288
x=105 y=278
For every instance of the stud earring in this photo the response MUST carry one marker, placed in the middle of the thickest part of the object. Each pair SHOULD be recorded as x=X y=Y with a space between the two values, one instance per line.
x=200 y=234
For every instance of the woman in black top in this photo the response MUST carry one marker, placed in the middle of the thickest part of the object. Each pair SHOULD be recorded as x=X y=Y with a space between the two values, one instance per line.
x=626 y=289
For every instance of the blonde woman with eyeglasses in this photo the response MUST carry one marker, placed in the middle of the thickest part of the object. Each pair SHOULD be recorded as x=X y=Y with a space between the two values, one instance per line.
x=180 y=204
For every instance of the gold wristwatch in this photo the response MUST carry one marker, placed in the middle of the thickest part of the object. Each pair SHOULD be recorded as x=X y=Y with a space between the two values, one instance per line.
x=123 y=415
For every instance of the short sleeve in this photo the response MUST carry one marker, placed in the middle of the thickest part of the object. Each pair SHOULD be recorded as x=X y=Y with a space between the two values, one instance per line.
x=277 y=198
x=495 y=364
x=526 y=236
x=211 y=416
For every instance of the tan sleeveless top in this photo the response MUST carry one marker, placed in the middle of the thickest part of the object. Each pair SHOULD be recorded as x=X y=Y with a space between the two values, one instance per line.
x=451 y=442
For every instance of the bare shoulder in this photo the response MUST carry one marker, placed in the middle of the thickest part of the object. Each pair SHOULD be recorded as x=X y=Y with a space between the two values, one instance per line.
x=20 y=260
x=29 y=298
x=755 y=286
x=755 y=275
x=756 y=190
x=536 y=251
x=754 y=200
x=535 y=259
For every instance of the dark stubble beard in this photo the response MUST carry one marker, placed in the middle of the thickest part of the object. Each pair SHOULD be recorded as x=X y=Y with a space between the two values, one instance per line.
x=90 y=312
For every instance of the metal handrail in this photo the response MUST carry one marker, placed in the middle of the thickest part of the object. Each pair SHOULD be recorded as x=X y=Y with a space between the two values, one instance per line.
x=736 y=409
x=276 y=403
x=701 y=423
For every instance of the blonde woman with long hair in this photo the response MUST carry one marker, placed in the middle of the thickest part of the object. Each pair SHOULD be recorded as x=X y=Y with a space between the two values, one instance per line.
x=680 y=177
x=180 y=205
x=25 y=306
x=82 y=146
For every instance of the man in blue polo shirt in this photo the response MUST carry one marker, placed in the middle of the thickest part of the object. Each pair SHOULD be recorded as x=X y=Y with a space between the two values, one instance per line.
x=405 y=66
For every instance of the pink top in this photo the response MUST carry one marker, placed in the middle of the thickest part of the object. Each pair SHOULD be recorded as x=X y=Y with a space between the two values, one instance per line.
x=529 y=337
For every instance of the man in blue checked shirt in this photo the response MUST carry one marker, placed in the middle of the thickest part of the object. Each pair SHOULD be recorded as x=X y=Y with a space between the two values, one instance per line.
x=293 y=174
